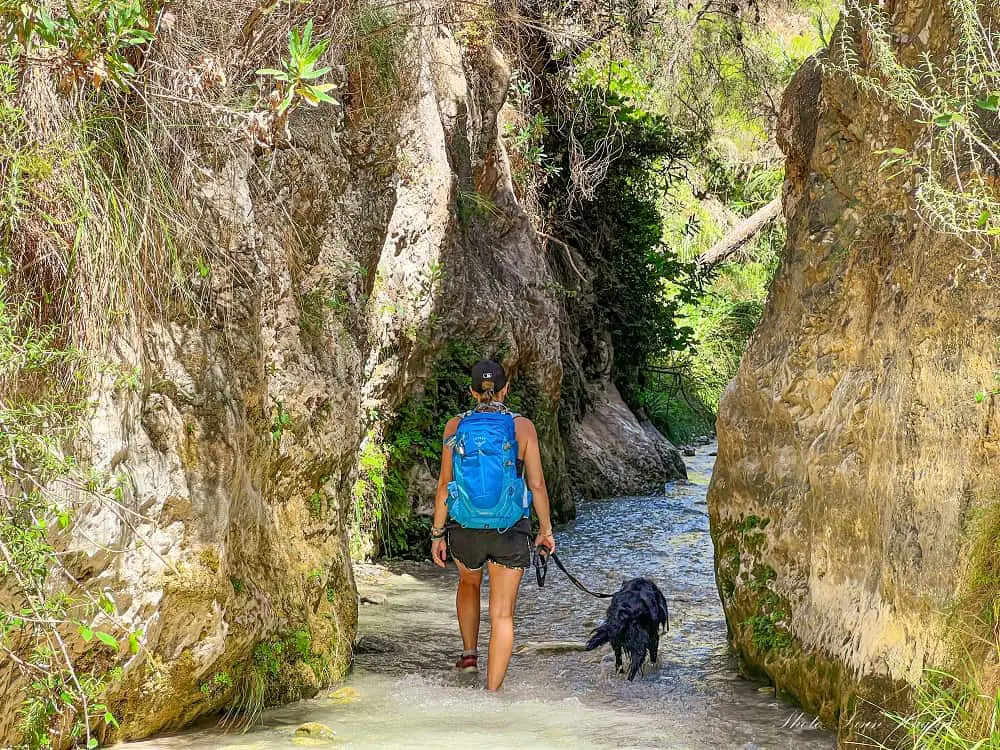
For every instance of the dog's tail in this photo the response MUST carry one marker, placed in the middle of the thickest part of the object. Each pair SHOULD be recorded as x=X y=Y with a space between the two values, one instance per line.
x=637 y=644
x=599 y=637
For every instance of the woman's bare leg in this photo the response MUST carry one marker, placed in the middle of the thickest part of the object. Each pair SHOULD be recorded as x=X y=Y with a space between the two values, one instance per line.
x=467 y=605
x=504 y=583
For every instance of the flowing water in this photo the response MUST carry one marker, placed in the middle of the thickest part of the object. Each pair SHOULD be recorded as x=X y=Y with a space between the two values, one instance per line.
x=403 y=694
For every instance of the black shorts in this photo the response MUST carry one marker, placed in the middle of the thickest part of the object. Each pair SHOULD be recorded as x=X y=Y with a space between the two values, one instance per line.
x=473 y=547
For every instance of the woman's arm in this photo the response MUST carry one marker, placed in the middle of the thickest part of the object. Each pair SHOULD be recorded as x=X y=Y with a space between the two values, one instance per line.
x=439 y=547
x=535 y=478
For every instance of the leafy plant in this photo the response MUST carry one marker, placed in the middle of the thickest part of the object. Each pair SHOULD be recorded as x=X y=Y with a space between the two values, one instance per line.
x=95 y=38
x=954 y=160
x=44 y=606
x=379 y=63
x=617 y=226
x=948 y=714
x=988 y=393
x=218 y=684
x=282 y=421
x=369 y=495
x=298 y=74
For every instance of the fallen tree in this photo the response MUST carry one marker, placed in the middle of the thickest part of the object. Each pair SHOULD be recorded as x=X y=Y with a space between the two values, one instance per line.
x=740 y=235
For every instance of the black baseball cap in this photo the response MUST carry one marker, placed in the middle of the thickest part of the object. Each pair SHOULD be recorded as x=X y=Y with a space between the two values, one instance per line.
x=488 y=375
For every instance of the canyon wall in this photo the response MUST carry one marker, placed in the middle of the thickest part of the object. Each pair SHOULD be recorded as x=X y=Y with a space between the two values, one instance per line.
x=857 y=476
x=349 y=252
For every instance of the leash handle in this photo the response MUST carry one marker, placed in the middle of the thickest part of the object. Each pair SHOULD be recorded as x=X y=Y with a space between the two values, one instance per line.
x=541 y=561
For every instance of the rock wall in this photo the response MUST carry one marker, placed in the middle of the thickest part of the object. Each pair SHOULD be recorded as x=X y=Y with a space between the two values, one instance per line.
x=351 y=257
x=855 y=465
x=615 y=454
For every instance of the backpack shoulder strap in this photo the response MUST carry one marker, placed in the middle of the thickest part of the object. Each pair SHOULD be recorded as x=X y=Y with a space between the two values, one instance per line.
x=453 y=438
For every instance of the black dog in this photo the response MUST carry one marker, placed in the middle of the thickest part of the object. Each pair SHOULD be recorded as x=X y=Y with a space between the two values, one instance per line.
x=633 y=623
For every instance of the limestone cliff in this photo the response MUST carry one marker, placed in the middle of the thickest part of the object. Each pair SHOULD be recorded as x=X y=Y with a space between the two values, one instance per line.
x=350 y=251
x=855 y=465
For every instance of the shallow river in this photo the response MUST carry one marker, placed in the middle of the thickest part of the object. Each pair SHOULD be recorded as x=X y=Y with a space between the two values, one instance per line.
x=403 y=693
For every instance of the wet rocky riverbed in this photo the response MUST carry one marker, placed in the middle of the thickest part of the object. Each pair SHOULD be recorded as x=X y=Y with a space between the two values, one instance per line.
x=403 y=693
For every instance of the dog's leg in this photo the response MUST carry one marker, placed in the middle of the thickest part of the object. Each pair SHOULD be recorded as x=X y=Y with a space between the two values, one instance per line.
x=618 y=659
x=654 y=644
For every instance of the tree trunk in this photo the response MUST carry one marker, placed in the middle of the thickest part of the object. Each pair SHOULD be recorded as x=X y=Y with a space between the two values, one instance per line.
x=740 y=235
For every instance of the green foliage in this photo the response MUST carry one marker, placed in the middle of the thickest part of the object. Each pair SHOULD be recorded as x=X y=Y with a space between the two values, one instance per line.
x=746 y=582
x=267 y=679
x=301 y=642
x=683 y=399
x=43 y=604
x=281 y=421
x=948 y=714
x=981 y=598
x=988 y=393
x=316 y=504
x=414 y=436
x=729 y=78
x=219 y=684
x=768 y=628
x=378 y=61
x=409 y=537
x=298 y=74
x=268 y=657
x=676 y=409
x=953 y=162
x=525 y=135
x=96 y=40
x=369 y=495
x=83 y=243
x=470 y=204
x=618 y=227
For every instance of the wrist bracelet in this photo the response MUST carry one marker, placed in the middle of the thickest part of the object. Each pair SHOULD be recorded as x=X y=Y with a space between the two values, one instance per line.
x=437 y=532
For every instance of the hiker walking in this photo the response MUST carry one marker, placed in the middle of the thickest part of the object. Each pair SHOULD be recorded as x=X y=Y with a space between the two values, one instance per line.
x=491 y=475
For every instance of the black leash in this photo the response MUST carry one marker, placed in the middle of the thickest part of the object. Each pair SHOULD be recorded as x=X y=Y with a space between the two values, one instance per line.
x=542 y=556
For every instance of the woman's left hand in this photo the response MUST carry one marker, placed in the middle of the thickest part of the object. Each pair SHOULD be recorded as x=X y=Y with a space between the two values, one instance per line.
x=439 y=552
x=545 y=539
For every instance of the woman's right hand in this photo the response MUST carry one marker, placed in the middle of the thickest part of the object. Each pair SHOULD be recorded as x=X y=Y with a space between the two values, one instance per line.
x=439 y=552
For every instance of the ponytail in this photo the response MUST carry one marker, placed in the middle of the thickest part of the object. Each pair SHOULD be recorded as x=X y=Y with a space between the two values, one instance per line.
x=488 y=393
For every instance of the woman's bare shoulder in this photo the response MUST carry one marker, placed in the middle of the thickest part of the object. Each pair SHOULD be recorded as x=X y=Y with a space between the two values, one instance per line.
x=524 y=428
x=452 y=425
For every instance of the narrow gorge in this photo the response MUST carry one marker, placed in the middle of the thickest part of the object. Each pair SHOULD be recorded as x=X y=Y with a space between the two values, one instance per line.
x=249 y=252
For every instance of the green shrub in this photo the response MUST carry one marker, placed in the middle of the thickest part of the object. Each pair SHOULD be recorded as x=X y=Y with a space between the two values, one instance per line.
x=948 y=714
x=950 y=167
x=379 y=63
x=616 y=224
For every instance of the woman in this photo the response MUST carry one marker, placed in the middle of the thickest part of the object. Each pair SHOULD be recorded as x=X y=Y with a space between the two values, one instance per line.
x=506 y=551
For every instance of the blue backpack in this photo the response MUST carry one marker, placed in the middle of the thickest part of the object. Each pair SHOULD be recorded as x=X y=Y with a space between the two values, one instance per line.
x=486 y=492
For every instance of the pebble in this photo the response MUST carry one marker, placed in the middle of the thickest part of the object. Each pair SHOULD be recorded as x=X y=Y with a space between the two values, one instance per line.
x=315 y=731
x=344 y=695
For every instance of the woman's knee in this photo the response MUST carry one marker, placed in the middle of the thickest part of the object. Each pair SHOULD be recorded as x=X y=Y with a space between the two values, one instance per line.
x=501 y=611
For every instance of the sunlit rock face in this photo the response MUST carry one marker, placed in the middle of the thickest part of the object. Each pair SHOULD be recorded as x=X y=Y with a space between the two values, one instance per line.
x=856 y=467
